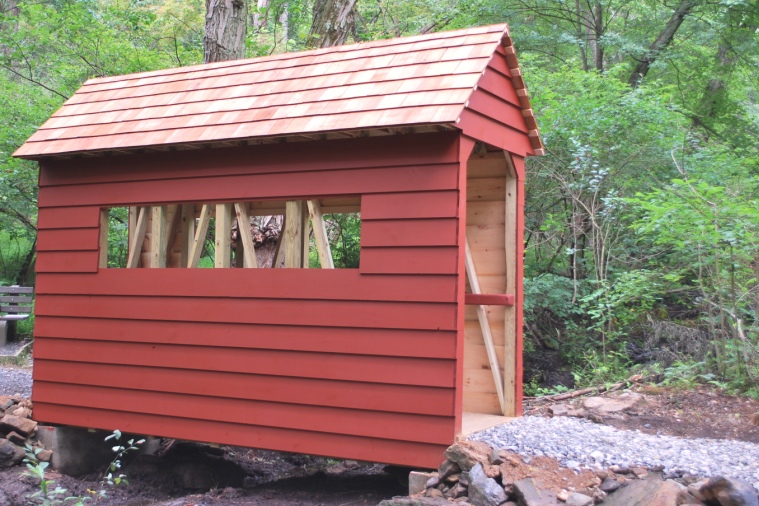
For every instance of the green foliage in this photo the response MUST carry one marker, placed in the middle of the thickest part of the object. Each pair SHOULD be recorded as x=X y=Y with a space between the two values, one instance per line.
x=344 y=231
x=50 y=494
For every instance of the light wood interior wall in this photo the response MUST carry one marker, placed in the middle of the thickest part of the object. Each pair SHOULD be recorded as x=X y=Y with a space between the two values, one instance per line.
x=486 y=233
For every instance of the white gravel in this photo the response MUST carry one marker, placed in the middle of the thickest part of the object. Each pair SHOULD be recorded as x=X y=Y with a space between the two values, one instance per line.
x=15 y=380
x=577 y=443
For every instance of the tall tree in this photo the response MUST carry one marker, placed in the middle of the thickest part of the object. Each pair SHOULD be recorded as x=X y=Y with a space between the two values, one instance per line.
x=662 y=41
x=226 y=30
x=333 y=22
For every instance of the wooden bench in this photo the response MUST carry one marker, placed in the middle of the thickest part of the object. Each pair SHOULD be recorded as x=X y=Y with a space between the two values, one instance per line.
x=16 y=304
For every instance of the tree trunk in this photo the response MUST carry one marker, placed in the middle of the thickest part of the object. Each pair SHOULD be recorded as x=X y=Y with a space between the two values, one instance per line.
x=333 y=21
x=595 y=38
x=661 y=42
x=226 y=30
x=27 y=266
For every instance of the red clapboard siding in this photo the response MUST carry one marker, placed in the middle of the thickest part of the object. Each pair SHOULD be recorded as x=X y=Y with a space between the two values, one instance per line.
x=403 y=206
x=499 y=85
x=373 y=152
x=255 y=186
x=498 y=109
x=441 y=260
x=393 y=343
x=392 y=370
x=399 y=426
x=321 y=284
x=267 y=311
x=69 y=239
x=366 y=396
x=67 y=261
x=409 y=233
x=402 y=453
x=493 y=132
x=68 y=217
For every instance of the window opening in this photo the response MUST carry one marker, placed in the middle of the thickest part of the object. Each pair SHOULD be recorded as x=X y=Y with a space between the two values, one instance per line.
x=318 y=233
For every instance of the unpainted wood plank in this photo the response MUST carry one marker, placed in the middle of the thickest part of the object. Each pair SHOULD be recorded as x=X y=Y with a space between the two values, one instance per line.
x=484 y=214
x=134 y=213
x=320 y=234
x=293 y=234
x=485 y=326
x=475 y=422
x=485 y=189
x=136 y=239
x=243 y=227
x=158 y=237
x=173 y=219
x=200 y=236
x=486 y=166
x=485 y=237
x=278 y=260
x=223 y=241
x=509 y=369
x=494 y=314
x=490 y=262
x=186 y=233
x=481 y=402
x=103 y=239
x=306 y=237
x=472 y=332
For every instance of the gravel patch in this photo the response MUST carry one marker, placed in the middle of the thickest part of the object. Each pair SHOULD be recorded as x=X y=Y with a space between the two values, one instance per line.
x=580 y=443
x=15 y=381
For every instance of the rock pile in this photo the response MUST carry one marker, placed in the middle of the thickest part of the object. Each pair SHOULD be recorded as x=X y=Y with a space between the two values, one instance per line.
x=17 y=430
x=476 y=474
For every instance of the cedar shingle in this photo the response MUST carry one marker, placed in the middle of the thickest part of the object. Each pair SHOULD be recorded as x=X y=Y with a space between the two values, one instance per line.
x=413 y=81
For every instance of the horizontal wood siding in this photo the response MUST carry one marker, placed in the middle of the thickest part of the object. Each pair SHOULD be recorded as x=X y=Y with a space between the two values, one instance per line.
x=356 y=363
x=494 y=114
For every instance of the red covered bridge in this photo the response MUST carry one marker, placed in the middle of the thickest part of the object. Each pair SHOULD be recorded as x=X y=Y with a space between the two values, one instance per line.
x=425 y=137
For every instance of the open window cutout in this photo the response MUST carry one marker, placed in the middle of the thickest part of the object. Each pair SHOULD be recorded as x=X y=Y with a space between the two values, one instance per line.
x=318 y=233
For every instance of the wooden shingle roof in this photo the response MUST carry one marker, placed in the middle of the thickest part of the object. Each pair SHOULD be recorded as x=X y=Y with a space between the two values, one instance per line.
x=415 y=82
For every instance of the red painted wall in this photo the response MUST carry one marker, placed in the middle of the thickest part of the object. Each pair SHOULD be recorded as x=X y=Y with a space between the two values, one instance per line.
x=354 y=364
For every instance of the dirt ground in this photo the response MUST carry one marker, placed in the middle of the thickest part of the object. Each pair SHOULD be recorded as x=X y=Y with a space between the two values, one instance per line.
x=239 y=476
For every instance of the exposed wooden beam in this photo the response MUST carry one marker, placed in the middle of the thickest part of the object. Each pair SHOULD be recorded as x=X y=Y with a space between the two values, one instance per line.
x=223 y=236
x=173 y=218
x=136 y=240
x=103 y=241
x=243 y=227
x=279 y=251
x=200 y=236
x=186 y=233
x=293 y=234
x=487 y=336
x=158 y=237
x=510 y=330
x=320 y=234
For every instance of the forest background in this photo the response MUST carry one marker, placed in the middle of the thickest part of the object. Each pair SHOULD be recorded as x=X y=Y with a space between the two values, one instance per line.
x=642 y=220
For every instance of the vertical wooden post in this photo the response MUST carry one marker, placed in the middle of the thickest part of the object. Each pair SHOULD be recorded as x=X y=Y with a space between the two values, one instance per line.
x=134 y=213
x=320 y=234
x=306 y=237
x=244 y=236
x=103 y=243
x=509 y=323
x=223 y=236
x=174 y=221
x=200 y=236
x=293 y=234
x=158 y=237
x=136 y=240
x=186 y=233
